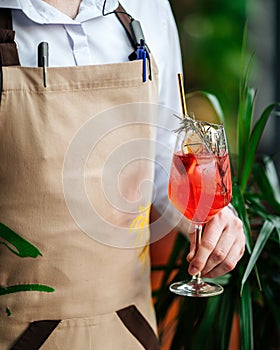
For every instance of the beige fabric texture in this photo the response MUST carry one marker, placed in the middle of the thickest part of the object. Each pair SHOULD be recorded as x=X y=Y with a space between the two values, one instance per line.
x=91 y=279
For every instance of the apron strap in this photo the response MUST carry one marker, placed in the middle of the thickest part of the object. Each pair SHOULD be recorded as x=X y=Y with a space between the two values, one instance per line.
x=6 y=19
x=125 y=20
x=8 y=47
x=35 y=335
x=134 y=32
x=136 y=323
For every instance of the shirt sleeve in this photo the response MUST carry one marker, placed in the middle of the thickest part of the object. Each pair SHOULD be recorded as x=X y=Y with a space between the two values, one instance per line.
x=169 y=106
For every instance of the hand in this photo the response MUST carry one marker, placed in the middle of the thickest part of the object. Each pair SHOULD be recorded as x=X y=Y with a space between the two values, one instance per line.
x=222 y=245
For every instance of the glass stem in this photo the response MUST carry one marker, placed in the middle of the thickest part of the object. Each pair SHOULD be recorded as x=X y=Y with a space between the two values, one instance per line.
x=198 y=233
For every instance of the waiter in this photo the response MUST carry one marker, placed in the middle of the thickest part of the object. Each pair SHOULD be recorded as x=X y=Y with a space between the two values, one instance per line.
x=89 y=114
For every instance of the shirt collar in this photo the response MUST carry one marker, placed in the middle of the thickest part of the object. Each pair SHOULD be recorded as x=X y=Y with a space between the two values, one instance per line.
x=13 y=4
x=43 y=13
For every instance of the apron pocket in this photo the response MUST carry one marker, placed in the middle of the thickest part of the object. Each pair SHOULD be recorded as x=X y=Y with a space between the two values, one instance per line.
x=137 y=325
x=125 y=329
x=35 y=335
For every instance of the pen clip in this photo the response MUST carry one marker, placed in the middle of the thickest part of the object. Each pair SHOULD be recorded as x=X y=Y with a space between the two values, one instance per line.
x=43 y=59
x=149 y=63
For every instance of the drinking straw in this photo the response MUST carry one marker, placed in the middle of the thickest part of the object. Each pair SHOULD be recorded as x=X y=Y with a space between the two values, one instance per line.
x=182 y=95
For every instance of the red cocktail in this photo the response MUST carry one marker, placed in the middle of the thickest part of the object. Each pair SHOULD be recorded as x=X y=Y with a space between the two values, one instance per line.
x=199 y=186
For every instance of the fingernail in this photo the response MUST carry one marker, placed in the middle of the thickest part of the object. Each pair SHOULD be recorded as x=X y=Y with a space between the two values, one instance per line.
x=193 y=270
x=189 y=257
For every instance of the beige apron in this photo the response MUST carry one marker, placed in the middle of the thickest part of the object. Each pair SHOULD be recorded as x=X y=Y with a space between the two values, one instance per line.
x=94 y=250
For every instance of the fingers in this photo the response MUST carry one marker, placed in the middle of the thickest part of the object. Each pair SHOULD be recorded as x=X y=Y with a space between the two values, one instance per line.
x=208 y=243
x=222 y=246
x=226 y=265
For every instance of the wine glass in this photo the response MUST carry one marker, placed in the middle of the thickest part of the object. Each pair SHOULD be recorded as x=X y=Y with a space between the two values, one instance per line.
x=199 y=186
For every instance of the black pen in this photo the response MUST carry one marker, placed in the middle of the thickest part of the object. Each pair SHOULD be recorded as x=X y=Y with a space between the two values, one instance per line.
x=43 y=59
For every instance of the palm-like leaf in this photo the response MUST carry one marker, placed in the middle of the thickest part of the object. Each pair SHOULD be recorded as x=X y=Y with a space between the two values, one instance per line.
x=22 y=248
x=17 y=244
x=250 y=148
x=264 y=234
x=246 y=320
x=252 y=290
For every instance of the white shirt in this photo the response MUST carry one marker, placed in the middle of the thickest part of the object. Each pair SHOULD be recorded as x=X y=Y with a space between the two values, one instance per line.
x=91 y=38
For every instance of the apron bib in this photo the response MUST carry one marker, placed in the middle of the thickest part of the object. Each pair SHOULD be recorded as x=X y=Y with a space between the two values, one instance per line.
x=73 y=158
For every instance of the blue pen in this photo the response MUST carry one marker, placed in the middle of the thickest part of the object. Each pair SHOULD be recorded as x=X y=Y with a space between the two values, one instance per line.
x=142 y=51
x=142 y=55
x=144 y=65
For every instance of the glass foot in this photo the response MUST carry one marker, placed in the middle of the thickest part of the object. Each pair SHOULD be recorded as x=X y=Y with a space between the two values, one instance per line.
x=196 y=288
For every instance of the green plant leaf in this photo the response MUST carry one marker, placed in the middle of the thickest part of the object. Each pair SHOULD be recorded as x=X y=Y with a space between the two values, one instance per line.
x=255 y=205
x=245 y=121
x=206 y=324
x=278 y=232
x=209 y=103
x=246 y=320
x=245 y=118
x=267 y=182
x=272 y=176
x=264 y=234
x=251 y=149
x=276 y=221
x=191 y=313
x=246 y=65
x=23 y=248
x=245 y=111
x=223 y=280
x=239 y=204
